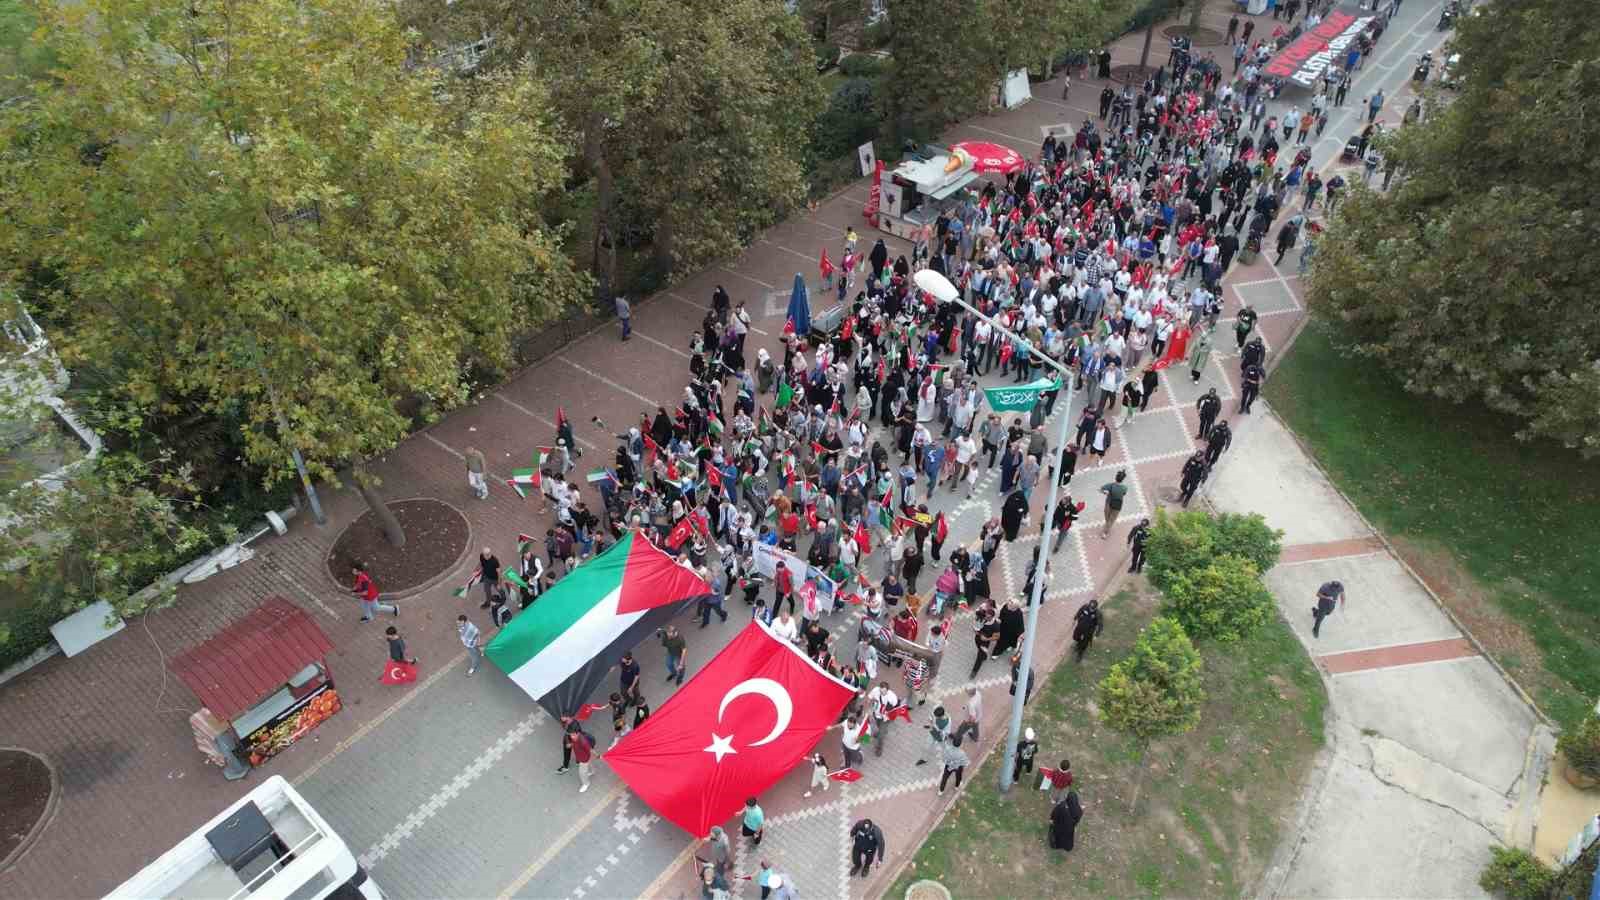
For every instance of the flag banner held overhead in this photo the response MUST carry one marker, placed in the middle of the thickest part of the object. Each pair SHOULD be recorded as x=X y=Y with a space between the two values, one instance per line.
x=737 y=728
x=1021 y=397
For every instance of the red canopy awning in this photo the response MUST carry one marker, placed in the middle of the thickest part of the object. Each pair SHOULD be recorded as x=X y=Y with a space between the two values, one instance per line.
x=248 y=660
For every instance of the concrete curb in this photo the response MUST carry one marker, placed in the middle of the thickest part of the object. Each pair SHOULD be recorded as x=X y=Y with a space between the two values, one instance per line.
x=426 y=585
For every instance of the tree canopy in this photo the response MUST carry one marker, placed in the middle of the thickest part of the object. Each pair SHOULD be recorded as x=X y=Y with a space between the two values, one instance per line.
x=262 y=207
x=1473 y=279
x=1156 y=690
x=691 y=116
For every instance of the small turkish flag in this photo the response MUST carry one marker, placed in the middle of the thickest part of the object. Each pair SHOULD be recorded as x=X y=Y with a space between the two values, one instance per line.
x=854 y=600
x=899 y=712
x=589 y=709
x=848 y=776
x=399 y=673
x=753 y=712
x=680 y=533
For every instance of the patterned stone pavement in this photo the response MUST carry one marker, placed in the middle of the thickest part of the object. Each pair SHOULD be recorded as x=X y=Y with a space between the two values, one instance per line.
x=447 y=788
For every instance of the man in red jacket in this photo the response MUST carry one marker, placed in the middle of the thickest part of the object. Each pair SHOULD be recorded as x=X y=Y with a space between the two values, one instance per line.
x=368 y=593
x=783 y=588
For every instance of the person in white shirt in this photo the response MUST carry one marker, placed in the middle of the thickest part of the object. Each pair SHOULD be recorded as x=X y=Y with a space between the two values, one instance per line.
x=880 y=700
x=966 y=451
x=785 y=628
x=850 y=740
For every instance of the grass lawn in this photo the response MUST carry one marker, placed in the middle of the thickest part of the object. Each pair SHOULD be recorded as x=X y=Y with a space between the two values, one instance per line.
x=1212 y=803
x=1504 y=531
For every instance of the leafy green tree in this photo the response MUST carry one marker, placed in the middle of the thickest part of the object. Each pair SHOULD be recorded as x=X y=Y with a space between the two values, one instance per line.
x=264 y=206
x=1223 y=600
x=1178 y=542
x=693 y=113
x=22 y=59
x=1471 y=280
x=1156 y=690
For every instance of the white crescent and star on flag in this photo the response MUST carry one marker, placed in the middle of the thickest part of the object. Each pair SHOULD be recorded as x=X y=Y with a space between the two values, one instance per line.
x=782 y=703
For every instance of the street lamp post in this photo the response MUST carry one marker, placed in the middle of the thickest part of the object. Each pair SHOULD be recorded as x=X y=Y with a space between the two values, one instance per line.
x=941 y=288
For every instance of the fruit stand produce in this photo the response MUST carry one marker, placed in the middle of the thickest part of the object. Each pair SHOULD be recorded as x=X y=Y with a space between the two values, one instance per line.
x=263 y=683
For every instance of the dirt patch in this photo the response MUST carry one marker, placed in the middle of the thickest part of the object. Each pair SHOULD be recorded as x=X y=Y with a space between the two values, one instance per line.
x=436 y=535
x=1200 y=37
x=1470 y=601
x=27 y=797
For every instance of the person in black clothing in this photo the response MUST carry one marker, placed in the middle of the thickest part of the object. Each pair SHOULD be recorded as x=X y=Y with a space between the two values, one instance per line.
x=489 y=570
x=1086 y=626
x=1221 y=436
x=1194 y=475
x=1250 y=386
x=987 y=635
x=1027 y=748
x=628 y=676
x=1253 y=353
x=397 y=646
x=1136 y=539
x=569 y=726
x=1329 y=597
x=1150 y=381
x=866 y=845
x=1245 y=321
x=1106 y=96
x=1069 y=463
x=1209 y=407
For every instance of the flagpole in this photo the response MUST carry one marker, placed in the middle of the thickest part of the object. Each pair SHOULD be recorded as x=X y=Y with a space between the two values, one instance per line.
x=1036 y=599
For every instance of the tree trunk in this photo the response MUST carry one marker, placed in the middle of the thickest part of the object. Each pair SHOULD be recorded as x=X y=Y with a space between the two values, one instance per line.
x=663 y=247
x=603 y=259
x=367 y=485
x=1196 y=10
x=1138 y=782
x=1144 y=55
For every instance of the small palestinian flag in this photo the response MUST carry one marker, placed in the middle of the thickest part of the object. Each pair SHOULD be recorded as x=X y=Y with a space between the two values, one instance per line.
x=474 y=578
x=886 y=507
x=543 y=455
x=714 y=426
x=785 y=394
x=510 y=574
x=599 y=475
x=763 y=424
x=512 y=483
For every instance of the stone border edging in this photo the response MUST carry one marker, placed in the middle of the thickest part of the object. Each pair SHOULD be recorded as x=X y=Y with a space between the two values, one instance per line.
x=51 y=807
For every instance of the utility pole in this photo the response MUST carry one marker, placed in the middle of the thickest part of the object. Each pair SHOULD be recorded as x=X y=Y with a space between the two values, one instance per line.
x=1014 y=731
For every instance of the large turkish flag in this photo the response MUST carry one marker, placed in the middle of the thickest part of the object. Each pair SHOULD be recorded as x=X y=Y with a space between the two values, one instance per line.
x=732 y=732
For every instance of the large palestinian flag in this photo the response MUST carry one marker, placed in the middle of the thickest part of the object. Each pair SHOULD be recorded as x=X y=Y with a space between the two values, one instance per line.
x=560 y=648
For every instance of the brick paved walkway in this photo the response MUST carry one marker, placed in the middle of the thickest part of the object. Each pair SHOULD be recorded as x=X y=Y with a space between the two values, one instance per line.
x=446 y=787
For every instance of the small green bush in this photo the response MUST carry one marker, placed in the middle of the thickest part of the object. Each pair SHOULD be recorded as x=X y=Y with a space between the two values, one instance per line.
x=25 y=629
x=1156 y=690
x=1178 y=543
x=1191 y=539
x=877 y=35
x=1223 y=600
x=1249 y=536
x=827 y=56
x=1516 y=874
x=862 y=65
x=1581 y=746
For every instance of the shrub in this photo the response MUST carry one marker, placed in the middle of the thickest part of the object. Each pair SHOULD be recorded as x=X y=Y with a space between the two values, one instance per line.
x=877 y=35
x=1249 y=536
x=1191 y=539
x=849 y=121
x=1516 y=874
x=1223 y=600
x=1155 y=691
x=861 y=65
x=827 y=56
x=25 y=629
x=1178 y=543
x=1581 y=746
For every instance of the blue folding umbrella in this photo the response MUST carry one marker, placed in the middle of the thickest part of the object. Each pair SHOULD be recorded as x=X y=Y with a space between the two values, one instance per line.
x=800 y=306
